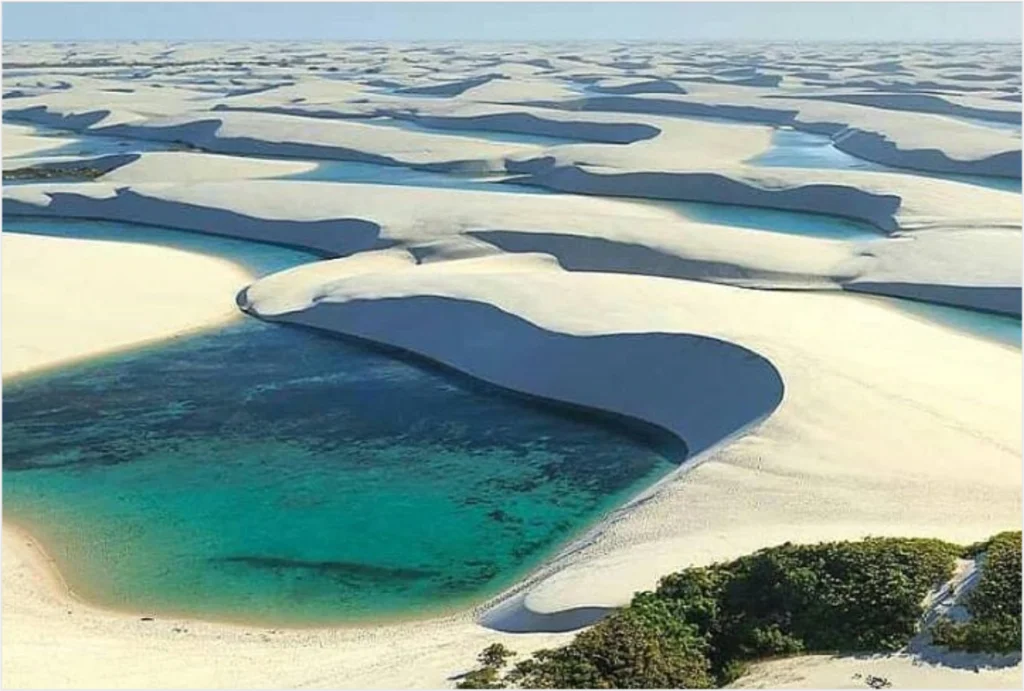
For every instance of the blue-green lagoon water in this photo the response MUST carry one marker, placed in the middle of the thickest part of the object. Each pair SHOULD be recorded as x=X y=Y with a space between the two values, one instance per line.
x=268 y=474
x=774 y=220
x=994 y=327
x=792 y=148
x=258 y=258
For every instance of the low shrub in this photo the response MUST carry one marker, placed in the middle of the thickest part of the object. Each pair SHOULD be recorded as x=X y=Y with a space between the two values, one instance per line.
x=995 y=603
x=644 y=647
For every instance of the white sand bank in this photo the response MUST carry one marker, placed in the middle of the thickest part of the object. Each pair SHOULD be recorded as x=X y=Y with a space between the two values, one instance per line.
x=21 y=140
x=902 y=671
x=69 y=299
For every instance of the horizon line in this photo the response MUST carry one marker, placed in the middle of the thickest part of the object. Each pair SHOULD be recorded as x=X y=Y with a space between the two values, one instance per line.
x=766 y=41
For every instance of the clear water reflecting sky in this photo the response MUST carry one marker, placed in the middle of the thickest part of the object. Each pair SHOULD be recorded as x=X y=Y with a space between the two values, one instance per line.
x=535 y=21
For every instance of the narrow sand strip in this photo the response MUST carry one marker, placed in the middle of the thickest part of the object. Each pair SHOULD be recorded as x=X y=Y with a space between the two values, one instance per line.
x=22 y=140
x=852 y=672
x=69 y=299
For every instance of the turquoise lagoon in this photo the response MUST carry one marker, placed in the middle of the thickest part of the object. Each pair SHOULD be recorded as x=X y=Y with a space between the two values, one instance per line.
x=274 y=475
x=994 y=327
x=792 y=148
x=778 y=221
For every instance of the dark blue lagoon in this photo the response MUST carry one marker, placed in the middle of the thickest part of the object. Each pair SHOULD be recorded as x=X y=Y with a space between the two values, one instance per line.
x=264 y=473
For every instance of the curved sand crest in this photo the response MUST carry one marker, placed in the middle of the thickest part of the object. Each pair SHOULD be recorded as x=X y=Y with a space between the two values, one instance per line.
x=849 y=452
x=715 y=390
x=69 y=299
x=165 y=166
x=611 y=128
x=343 y=219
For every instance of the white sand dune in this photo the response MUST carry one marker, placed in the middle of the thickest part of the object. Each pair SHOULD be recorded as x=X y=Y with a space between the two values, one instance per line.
x=971 y=248
x=878 y=422
x=183 y=166
x=902 y=671
x=876 y=127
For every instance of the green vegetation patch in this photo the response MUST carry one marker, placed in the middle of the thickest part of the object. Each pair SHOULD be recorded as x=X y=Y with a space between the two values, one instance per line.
x=703 y=625
x=53 y=173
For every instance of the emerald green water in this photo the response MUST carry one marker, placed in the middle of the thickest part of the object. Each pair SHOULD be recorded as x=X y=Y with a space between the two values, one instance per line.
x=267 y=474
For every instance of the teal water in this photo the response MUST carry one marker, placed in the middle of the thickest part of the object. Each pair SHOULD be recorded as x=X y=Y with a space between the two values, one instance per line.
x=796 y=149
x=793 y=148
x=776 y=221
x=273 y=475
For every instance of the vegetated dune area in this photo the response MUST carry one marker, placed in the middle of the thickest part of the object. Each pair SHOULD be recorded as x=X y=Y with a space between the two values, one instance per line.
x=582 y=223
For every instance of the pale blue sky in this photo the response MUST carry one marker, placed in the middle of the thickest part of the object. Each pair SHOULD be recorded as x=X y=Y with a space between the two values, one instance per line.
x=828 y=21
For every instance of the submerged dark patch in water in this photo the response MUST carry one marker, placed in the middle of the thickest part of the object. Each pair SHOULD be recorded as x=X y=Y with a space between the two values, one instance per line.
x=347 y=571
